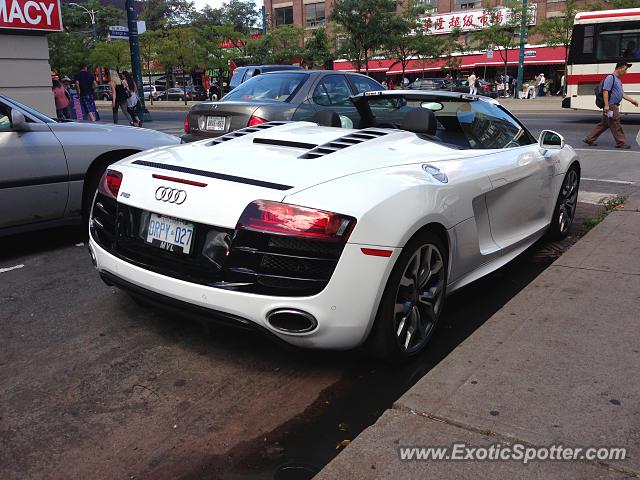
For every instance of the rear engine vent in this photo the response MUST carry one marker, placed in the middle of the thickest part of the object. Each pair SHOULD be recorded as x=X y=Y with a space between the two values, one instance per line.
x=244 y=131
x=344 y=142
x=103 y=221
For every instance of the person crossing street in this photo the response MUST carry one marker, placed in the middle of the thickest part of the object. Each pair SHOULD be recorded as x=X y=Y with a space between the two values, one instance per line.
x=613 y=94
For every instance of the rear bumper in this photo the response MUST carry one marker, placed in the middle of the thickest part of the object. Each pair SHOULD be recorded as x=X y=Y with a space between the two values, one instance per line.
x=344 y=310
x=566 y=102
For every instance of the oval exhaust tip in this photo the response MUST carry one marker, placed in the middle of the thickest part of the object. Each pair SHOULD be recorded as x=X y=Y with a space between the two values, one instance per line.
x=290 y=320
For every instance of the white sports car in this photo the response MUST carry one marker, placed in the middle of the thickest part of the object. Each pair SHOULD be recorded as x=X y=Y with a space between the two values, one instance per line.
x=330 y=237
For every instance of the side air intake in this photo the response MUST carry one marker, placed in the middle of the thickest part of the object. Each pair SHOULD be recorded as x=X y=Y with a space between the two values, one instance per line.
x=244 y=131
x=344 y=142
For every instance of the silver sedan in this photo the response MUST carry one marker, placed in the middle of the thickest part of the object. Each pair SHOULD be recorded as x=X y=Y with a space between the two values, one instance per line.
x=49 y=170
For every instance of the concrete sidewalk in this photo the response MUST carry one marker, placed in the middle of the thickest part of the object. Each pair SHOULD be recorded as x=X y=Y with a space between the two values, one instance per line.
x=558 y=364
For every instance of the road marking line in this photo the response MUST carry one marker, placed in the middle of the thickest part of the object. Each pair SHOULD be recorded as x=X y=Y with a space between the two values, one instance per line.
x=594 y=198
x=621 y=182
x=603 y=150
x=8 y=269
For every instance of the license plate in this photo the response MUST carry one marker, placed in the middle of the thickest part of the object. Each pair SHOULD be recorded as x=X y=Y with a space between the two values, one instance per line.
x=215 y=123
x=169 y=233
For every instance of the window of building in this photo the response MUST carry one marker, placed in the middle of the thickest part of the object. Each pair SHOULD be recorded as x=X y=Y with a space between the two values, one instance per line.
x=429 y=5
x=314 y=14
x=283 y=16
x=463 y=5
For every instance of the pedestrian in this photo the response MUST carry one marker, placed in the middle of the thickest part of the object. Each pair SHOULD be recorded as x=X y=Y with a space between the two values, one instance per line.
x=514 y=87
x=61 y=99
x=133 y=101
x=562 y=83
x=613 y=94
x=86 y=84
x=506 y=83
x=541 y=85
x=392 y=84
x=448 y=76
x=385 y=85
x=118 y=97
x=405 y=82
x=472 y=84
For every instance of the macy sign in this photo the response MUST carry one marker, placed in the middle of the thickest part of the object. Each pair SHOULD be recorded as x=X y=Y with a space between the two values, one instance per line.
x=30 y=15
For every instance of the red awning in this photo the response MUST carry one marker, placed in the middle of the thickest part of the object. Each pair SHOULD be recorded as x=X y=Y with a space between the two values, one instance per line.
x=533 y=56
x=374 y=65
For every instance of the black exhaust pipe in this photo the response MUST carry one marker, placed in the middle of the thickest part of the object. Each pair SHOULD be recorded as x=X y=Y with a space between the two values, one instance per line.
x=289 y=320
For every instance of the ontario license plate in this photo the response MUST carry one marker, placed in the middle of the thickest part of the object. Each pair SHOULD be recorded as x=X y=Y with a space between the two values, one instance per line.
x=215 y=123
x=170 y=233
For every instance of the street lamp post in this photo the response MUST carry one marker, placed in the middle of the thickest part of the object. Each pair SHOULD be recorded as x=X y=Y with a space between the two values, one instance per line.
x=523 y=39
x=92 y=15
x=134 y=45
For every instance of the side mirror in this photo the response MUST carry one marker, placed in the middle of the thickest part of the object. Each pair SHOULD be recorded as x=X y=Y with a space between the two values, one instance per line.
x=18 y=122
x=550 y=140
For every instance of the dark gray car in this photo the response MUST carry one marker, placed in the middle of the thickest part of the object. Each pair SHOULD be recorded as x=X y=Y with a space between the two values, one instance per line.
x=276 y=96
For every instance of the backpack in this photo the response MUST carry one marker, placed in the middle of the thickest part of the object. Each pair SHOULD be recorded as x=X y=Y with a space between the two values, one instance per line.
x=599 y=94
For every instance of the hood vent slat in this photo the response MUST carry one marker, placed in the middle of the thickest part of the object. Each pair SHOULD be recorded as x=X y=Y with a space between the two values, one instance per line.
x=244 y=131
x=344 y=142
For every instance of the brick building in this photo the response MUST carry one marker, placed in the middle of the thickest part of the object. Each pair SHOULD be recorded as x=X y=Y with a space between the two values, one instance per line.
x=311 y=14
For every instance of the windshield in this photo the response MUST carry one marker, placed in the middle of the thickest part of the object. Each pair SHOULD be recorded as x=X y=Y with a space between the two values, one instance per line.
x=268 y=88
x=30 y=111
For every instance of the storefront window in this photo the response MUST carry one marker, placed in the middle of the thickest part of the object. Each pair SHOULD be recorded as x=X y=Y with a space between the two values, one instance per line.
x=314 y=14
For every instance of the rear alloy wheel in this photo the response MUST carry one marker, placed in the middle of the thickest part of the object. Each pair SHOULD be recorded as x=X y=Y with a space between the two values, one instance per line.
x=565 y=210
x=412 y=301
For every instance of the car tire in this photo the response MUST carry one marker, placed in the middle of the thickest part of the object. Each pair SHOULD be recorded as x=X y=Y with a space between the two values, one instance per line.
x=566 y=204
x=409 y=310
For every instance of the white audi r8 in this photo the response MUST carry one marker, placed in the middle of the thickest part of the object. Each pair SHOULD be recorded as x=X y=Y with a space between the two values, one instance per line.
x=331 y=237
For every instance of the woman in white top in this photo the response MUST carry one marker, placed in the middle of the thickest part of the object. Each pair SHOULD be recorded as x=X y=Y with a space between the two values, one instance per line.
x=472 y=84
x=134 y=98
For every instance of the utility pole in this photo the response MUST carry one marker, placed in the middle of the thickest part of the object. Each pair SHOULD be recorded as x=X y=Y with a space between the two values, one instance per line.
x=134 y=45
x=92 y=16
x=523 y=41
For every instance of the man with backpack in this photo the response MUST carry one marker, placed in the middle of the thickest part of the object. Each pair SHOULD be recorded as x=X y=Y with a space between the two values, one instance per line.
x=609 y=94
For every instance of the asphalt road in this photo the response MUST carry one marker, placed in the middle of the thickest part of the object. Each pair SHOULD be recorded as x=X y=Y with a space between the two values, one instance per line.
x=93 y=385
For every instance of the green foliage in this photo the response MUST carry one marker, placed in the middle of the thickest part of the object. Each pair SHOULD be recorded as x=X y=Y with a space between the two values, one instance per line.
x=75 y=19
x=317 y=50
x=405 y=36
x=114 y=55
x=208 y=16
x=242 y=14
x=280 y=45
x=164 y=13
x=67 y=51
x=362 y=26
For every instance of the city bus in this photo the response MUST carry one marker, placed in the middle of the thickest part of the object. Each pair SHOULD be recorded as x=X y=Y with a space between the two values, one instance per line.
x=600 y=39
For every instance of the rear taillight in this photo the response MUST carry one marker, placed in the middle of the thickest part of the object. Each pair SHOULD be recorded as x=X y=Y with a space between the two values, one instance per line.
x=285 y=219
x=110 y=183
x=186 y=124
x=253 y=121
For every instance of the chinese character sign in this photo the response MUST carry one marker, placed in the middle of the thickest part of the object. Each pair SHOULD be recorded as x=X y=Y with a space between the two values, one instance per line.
x=469 y=20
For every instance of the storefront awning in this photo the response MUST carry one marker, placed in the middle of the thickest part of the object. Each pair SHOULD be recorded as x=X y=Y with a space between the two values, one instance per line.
x=533 y=56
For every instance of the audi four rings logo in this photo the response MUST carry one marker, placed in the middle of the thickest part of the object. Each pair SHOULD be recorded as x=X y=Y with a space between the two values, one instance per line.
x=171 y=195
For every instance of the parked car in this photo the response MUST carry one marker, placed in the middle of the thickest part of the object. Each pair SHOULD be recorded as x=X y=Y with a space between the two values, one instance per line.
x=103 y=92
x=431 y=84
x=274 y=96
x=181 y=93
x=242 y=74
x=326 y=237
x=154 y=91
x=49 y=169
x=487 y=89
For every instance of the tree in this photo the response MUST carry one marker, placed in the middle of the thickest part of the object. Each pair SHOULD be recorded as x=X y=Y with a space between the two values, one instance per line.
x=67 y=51
x=317 y=50
x=362 y=26
x=75 y=19
x=208 y=16
x=280 y=45
x=502 y=32
x=149 y=42
x=435 y=48
x=405 y=36
x=114 y=55
x=242 y=14
x=180 y=47
x=557 y=31
x=165 y=13
x=217 y=58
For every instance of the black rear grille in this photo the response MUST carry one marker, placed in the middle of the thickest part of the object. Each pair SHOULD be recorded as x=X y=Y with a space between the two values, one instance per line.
x=240 y=260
